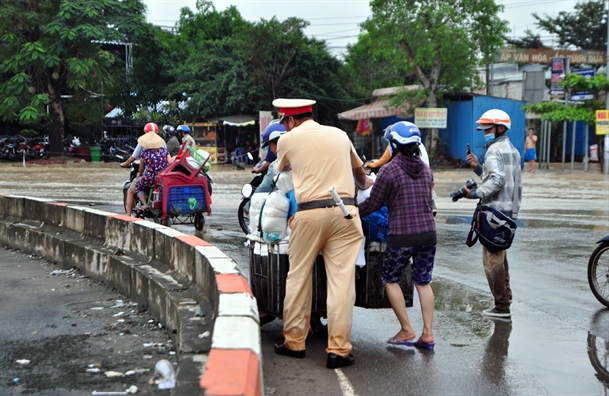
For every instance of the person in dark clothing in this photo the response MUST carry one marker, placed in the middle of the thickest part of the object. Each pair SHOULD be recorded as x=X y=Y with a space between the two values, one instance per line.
x=173 y=144
x=404 y=185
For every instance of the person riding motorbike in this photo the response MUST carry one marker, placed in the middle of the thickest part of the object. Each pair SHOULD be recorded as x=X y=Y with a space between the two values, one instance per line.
x=267 y=184
x=173 y=144
x=270 y=155
x=154 y=159
x=150 y=127
x=185 y=131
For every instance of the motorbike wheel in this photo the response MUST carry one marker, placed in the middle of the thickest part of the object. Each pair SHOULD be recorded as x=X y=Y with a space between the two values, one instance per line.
x=125 y=189
x=266 y=319
x=318 y=327
x=598 y=273
x=199 y=222
x=244 y=216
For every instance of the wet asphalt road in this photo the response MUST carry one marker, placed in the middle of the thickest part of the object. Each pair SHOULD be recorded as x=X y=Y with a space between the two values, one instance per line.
x=557 y=342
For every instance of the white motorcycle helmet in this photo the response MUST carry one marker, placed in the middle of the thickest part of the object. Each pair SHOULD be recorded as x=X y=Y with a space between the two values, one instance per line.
x=494 y=117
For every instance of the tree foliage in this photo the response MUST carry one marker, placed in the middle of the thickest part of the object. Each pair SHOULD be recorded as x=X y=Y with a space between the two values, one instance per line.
x=369 y=66
x=52 y=48
x=442 y=42
x=585 y=28
x=530 y=40
x=581 y=111
x=251 y=63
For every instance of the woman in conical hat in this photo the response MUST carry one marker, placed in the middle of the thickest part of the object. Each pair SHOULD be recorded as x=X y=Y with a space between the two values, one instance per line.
x=153 y=159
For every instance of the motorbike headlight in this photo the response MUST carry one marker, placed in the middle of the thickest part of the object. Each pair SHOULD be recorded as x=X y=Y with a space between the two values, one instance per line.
x=247 y=190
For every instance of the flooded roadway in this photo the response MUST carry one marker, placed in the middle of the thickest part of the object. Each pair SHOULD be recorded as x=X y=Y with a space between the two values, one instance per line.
x=557 y=342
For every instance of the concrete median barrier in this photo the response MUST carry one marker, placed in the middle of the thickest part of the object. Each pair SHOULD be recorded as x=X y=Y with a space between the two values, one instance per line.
x=190 y=286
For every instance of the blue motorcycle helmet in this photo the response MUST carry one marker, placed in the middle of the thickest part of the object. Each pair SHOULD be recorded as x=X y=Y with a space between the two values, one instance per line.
x=402 y=133
x=169 y=130
x=183 y=128
x=274 y=126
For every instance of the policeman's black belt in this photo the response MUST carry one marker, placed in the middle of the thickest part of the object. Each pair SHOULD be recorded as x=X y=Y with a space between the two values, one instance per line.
x=324 y=203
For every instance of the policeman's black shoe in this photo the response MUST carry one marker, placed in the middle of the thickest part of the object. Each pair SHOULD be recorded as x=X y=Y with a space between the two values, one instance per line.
x=335 y=361
x=281 y=349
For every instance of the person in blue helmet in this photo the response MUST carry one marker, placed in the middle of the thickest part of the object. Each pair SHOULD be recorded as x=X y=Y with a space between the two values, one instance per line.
x=185 y=131
x=405 y=186
x=270 y=155
x=268 y=183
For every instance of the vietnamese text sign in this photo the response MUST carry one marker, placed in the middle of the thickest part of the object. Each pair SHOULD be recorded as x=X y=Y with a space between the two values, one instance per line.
x=430 y=117
x=602 y=122
x=534 y=55
x=559 y=66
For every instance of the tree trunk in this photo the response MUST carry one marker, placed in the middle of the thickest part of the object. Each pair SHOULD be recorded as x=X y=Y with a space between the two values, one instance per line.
x=432 y=137
x=58 y=117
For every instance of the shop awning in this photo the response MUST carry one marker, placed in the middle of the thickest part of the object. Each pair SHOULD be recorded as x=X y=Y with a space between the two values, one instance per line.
x=376 y=109
x=237 y=120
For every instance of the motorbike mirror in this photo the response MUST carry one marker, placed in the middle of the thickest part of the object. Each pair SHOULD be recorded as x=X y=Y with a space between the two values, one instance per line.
x=250 y=156
x=247 y=190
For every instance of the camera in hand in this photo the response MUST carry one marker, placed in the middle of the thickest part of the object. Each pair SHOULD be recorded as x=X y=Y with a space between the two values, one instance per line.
x=461 y=193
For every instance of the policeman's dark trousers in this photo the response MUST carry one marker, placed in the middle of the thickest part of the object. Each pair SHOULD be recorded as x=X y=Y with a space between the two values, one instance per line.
x=322 y=230
x=498 y=276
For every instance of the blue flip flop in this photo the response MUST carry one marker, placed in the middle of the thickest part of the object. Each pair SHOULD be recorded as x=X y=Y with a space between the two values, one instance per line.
x=396 y=341
x=420 y=344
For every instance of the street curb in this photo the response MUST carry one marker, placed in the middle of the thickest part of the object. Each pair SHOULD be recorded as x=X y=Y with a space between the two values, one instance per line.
x=190 y=286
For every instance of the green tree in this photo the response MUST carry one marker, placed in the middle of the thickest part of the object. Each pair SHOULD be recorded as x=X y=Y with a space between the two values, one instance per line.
x=581 y=111
x=50 y=48
x=443 y=42
x=229 y=65
x=368 y=67
x=207 y=73
x=584 y=28
x=530 y=40
x=154 y=57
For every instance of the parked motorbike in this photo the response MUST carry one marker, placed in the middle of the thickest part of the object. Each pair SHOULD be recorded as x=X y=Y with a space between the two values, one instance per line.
x=247 y=191
x=41 y=148
x=598 y=271
x=108 y=151
x=71 y=142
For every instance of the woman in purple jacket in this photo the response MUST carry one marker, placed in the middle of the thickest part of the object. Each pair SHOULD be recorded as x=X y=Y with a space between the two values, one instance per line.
x=404 y=185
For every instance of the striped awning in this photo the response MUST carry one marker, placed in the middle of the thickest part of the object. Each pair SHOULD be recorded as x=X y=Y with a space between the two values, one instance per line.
x=377 y=109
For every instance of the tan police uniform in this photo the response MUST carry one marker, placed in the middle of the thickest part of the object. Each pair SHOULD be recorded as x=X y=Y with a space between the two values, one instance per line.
x=321 y=157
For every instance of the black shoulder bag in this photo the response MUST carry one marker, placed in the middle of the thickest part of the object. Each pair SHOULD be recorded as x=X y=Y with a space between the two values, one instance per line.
x=493 y=228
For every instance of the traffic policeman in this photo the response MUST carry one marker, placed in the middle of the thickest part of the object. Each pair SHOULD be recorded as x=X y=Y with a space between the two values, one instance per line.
x=320 y=157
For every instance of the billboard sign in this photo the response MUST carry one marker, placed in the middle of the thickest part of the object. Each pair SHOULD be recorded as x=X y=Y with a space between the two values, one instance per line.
x=559 y=69
x=545 y=56
x=587 y=73
x=602 y=122
x=430 y=117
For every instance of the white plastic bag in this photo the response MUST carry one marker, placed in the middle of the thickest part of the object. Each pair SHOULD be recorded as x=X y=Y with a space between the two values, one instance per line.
x=285 y=183
x=274 y=220
x=255 y=205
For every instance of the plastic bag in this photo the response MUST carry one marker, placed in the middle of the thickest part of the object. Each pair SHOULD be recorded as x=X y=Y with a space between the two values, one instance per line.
x=274 y=217
x=255 y=205
x=285 y=183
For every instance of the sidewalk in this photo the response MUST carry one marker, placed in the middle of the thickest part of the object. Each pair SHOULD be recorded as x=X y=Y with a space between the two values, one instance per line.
x=65 y=323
